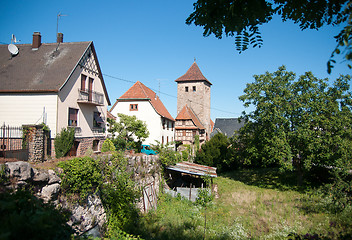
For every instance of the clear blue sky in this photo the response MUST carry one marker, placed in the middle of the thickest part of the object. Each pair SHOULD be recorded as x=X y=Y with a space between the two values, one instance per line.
x=148 y=41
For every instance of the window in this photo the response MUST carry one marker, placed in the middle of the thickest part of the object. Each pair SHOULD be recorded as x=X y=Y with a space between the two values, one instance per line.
x=97 y=120
x=133 y=107
x=186 y=89
x=172 y=126
x=95 y=145
x=162 y=139
x=72 y=117
x=83 y=82
x=163 y=123
x=194 y=88
x=167 y=139
x=167 y=125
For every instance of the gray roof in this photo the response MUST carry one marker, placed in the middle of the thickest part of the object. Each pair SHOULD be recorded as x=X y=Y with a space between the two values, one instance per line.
x=227 y=126
x=39 y=70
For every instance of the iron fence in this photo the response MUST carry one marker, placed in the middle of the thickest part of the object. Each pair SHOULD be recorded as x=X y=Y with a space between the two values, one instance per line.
x=12 y=144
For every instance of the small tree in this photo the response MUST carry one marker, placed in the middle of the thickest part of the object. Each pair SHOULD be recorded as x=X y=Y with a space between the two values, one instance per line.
x=108 y=146
x=64 y=142
x=215 y=152
x=204 y=198
x=128 y=131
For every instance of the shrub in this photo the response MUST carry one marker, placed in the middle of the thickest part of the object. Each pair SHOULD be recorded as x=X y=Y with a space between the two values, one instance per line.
x=23 y=216
x=80 y=176
x=64 y=142
x=215 y=153
x=108 y=146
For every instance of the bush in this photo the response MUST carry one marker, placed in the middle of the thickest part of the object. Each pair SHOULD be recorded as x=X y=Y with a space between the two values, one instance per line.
x=108 y=146
x=23 y=216
x=64 y=142
x=215 y=153
x=80 y=176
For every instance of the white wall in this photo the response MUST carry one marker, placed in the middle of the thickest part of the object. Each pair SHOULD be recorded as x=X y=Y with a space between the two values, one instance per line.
x=146 y=113
x=68 y=99
x=19 y=109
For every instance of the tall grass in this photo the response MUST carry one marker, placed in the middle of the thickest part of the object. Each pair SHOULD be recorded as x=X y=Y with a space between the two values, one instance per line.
x=252 y=204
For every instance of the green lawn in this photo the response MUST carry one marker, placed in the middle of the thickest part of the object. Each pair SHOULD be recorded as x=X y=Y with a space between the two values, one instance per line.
x=252 y=204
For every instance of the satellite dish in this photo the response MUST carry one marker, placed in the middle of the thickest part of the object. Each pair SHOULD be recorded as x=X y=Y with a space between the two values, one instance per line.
x=13 y=49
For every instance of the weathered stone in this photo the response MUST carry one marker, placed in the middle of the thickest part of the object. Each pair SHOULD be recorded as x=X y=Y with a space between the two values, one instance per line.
x=50 y=192
x=53 y=178
x=90 y=216
x=21 y=170
x=40 y=175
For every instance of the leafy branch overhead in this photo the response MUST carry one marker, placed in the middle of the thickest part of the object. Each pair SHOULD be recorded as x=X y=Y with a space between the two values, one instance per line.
x=242 y=18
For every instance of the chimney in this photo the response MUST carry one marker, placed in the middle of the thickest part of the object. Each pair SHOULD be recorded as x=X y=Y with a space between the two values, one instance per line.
x=37 y=40
x=60 y=38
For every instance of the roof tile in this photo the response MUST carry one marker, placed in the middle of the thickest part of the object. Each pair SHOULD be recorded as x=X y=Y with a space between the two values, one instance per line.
x=140 y=91
x=193 y=74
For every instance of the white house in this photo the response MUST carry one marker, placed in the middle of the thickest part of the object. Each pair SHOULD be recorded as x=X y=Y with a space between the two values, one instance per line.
x=143 y=103
x=60 y=84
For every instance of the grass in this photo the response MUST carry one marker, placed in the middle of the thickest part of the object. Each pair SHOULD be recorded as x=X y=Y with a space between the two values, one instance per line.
x=253 y=204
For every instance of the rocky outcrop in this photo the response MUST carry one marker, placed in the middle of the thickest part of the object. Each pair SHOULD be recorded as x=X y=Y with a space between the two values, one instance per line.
x=46 y=185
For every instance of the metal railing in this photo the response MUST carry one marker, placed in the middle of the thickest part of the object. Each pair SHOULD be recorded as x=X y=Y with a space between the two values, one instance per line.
x=11 y=143
x=89 y=96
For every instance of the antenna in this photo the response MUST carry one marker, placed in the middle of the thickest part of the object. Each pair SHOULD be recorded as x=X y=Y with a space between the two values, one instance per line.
x=13 y=39
x=12 y=49
x=57 y=22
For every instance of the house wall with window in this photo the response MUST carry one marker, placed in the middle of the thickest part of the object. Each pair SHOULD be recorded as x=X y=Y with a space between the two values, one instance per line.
x=160 y=129
x=68 y=99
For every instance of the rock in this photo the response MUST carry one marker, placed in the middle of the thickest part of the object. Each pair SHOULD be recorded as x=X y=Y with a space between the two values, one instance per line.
x=40 y=175
x=21 y=170
x=50 y=192
x=53 y=178
x=84 y=218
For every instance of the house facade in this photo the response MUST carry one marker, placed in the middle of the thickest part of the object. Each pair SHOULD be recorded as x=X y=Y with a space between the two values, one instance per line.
x=193 y=106
x=59 y=84
x=142 y=102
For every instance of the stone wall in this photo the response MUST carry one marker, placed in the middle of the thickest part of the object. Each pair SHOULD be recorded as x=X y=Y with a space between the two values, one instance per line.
x=39 y=143
x=46 y=186
x=147 y=175
x=91 y=217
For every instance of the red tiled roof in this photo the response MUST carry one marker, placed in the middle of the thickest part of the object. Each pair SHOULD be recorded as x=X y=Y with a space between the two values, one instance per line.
x=110 y=115
x=140 y=91
x=193 y=74
x=187 y=114
x=211 y=125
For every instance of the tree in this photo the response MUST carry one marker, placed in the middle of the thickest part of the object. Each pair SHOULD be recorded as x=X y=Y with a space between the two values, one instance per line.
x=215 y=153
x=242 y=18
x=297 y=124
x=129 y=129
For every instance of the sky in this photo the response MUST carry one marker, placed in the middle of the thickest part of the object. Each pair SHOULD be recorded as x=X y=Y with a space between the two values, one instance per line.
x=148 y=41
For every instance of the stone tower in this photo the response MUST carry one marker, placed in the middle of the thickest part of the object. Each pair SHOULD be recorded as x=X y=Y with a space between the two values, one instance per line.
x=193 y=90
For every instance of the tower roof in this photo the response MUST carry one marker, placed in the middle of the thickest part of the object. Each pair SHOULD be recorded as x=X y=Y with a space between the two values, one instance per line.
x=193 y=74
x=140 y=92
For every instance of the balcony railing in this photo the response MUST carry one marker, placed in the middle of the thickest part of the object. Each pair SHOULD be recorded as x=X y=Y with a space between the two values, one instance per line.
x=90 y=97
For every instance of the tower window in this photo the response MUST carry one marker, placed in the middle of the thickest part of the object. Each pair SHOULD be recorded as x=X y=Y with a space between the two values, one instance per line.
x=186 y=89
x=194 y=88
